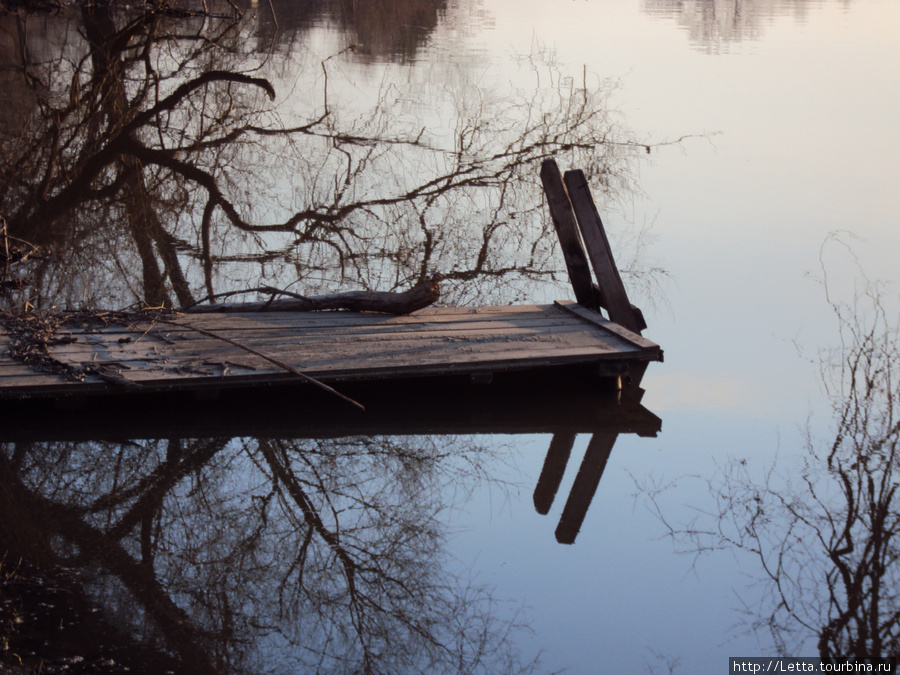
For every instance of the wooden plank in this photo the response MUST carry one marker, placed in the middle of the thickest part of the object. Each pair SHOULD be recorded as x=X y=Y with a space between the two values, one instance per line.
x=110 y=346
x=348 y=320
x=612 y=327
x=150 y=345
x=493 y=359
x=398 y=366
x=567 y=327
x=424 y=316
x=87 y=343
x=356 y=323
x=41 y=388
x=427 y=314
x=639 y=315
x=386 y=369
x=567 y=230
x=400 y=354
x=192 y=342
x=412 y=348
x=18 y=378
x=612 y=290
x=264 y=320
x=634 y=308
x=550 y=321
x=15 y=369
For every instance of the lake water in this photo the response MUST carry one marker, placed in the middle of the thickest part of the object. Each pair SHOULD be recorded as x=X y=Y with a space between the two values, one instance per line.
x=745 y=157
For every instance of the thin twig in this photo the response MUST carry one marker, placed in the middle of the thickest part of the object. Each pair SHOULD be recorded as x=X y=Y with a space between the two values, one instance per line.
x=5 y=248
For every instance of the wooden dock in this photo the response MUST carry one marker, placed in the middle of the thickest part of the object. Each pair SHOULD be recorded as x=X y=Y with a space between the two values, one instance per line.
x=167 y=351
x=218 y=351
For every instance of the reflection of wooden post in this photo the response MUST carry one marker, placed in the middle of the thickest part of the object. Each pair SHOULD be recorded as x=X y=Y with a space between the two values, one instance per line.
x=567 y=231
x=586 y=482
x=552 y=473
x=632 y=387
x=612 y=291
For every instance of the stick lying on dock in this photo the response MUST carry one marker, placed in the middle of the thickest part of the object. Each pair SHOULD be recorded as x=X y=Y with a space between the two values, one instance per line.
x=418 y=297
x=275 y=362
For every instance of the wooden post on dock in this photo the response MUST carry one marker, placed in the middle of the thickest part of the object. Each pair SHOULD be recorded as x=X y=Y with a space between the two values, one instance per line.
x=578 y=226
x=612 y=291
x=567 y=230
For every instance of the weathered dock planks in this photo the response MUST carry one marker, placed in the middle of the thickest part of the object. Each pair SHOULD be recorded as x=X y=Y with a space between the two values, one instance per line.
x=238 y=349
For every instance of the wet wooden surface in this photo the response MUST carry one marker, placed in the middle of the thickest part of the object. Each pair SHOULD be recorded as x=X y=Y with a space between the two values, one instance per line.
x=173 y=353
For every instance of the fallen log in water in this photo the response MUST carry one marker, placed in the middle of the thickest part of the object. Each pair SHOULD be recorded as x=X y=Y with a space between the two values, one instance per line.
x=419 y=296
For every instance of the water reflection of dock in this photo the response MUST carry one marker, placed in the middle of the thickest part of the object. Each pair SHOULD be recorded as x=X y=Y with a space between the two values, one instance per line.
x=515 y=403
x=553 y=402
x=266 y=502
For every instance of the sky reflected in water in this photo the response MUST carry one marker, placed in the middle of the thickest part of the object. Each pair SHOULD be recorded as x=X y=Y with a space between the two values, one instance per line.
x=751 y=234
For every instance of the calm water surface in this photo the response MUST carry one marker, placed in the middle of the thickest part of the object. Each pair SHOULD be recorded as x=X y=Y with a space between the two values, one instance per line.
x=745 y=157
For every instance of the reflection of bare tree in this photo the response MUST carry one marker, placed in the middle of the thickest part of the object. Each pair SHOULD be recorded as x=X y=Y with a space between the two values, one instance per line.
x=154 y=144
x=715 y=24
x=379 y=30
x=388 y=28
x=71 y=182
x=826 y=534
x=265 y=555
